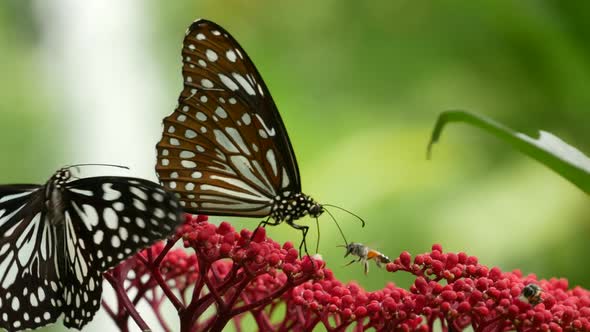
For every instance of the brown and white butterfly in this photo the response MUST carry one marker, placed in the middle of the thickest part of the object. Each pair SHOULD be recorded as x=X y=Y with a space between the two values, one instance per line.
x=225 y=150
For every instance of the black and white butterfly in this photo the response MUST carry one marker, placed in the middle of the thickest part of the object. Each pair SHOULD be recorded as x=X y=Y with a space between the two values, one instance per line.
x=57 y=239
x=225 y=149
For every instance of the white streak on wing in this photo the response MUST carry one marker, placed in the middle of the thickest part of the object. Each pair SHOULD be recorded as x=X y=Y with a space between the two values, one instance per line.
x=245 y=84
x=45 y=239
x=228 y=82
x=15 y=196
x=260 y=171
x=270 y=156
x=269 y=131
x=245 y=168
x=240 y=184
x=220 y=154
x=4 y=248
x=285 y=182
x=224 y=168
x=6 y=276
x=237 y=194
x=257 y=209
x=26 y=249
x=71 y=238
x=55 y=257
x=82 y=262
x=74 y=255
x=225 y=199
x=84 y=192
x=235 y=135
x=7 y=217
x=222 y=139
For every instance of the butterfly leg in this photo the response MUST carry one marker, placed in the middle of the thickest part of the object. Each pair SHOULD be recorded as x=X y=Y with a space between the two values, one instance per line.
x=303 y=230
x=268 y=222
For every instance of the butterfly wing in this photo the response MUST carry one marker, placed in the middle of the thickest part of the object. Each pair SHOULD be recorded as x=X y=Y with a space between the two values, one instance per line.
x=114 y=217
x=225 y=149
x=108 y=219
x=30 y=287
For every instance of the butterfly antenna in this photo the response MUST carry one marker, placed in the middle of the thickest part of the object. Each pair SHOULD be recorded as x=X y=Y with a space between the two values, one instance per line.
x=349 y=212
x=317 y=246
x=340 y=229
x=107 y=165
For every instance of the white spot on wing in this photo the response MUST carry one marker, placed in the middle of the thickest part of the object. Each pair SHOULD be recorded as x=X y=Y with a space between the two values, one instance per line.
x=221 y=112
x=190 y=134
x=110 y=218
x=184 y=154
x=243 y=165
x=246 y=119
x=244 y=83
x=228 y=82
x=270 y=157
x=206 y=83
x=201 y=116
x=285 y=182
x=188 y=164
x=231 y=55
x=235 y=135
x=269 y=130
x=224 y=141
x=211 y=55
x=139 y=193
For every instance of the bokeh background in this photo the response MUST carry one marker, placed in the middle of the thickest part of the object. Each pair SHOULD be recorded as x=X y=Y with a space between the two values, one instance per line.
x=359 y=86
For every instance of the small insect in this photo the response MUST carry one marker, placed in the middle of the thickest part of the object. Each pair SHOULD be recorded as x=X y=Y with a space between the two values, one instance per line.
x=57 y=239
x=365 y=254
x=531 y=293
x=225 y=150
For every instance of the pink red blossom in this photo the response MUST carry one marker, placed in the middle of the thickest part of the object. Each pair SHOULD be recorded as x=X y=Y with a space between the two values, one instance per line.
x=236 y=274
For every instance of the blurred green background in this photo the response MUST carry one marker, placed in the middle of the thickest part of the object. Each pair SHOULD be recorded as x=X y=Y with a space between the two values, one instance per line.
x=359 y=86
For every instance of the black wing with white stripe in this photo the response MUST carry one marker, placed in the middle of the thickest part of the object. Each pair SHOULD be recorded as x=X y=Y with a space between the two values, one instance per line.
x=59 y=238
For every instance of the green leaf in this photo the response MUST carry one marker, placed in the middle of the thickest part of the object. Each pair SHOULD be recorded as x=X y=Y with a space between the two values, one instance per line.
x=548 y=149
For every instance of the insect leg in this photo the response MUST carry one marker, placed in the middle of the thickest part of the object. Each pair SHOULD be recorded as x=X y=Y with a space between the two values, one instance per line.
x=303 y=230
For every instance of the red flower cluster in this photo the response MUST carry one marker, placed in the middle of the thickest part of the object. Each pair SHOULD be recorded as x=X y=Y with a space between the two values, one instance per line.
x=233 y=272
x=237 y=273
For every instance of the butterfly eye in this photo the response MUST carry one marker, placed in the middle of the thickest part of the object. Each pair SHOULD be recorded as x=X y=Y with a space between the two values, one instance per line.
x=316 y=210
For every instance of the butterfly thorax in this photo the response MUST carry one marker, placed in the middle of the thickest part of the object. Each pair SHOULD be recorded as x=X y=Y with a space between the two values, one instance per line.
x=54 y=201
x=290 y=206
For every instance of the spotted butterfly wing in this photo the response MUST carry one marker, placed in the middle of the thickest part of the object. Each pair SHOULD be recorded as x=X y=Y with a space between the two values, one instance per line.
x=225 y=150
x=57 y=239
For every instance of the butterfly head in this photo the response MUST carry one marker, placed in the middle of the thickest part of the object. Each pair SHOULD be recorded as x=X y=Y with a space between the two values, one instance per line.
x=61 y=177
x=316 y=209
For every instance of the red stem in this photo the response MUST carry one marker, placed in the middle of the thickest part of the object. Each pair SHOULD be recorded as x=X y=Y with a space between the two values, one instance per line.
x=126 y=302
x=167 y=291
